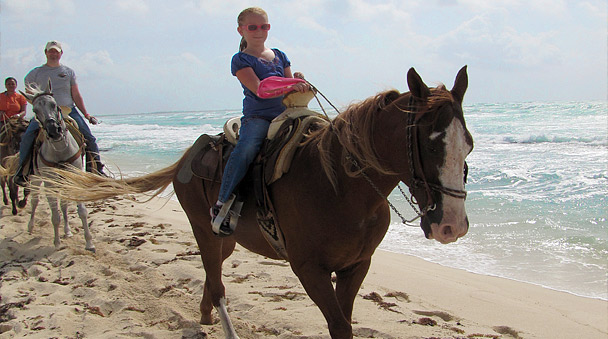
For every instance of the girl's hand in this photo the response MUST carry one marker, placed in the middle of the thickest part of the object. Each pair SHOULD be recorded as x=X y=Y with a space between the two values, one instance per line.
x=301 y=87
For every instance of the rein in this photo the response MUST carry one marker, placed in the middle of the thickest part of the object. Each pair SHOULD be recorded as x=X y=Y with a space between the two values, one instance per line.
x=413 y=154
x=61 y=163
x=38 y=95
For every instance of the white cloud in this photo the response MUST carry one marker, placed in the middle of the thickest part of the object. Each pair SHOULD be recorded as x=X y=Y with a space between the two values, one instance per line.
x=594 y=8
x=218 y=7
x=372 y=11
x=91 y=63
x=38 y=10
x=547 y=7
x=528 y=50
x=22 y=56
x=132 y=6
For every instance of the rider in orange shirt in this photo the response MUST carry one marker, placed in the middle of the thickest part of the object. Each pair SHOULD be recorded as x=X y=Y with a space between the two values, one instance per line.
x=12 y=103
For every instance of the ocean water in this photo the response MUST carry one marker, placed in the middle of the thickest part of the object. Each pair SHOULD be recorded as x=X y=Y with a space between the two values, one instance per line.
x=538 y=188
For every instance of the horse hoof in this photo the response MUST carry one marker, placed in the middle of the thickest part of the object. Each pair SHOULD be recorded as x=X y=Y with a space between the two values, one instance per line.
x=68 y=235
x=92 y=249
x=22 y=203
x=206 y=320
x=15 y=211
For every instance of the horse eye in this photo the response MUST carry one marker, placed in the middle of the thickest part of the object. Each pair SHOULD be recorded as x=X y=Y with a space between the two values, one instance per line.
x=431 y=148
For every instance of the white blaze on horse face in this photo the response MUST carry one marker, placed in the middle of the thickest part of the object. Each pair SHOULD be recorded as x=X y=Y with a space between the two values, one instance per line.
x=451 y=175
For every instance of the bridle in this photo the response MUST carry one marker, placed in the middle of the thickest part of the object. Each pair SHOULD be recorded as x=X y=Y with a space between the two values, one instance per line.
x=415 y=165
x=64 y=136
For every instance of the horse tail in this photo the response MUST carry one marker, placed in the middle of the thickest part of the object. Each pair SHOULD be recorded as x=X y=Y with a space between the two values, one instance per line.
x=9 y=165
x=76 y=185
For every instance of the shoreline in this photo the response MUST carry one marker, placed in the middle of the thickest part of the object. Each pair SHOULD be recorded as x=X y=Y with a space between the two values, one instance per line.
x=492 y=271
x=146 y=280
x=497 y=276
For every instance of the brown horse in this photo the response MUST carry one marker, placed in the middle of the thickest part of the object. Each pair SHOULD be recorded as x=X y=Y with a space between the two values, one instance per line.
x=11 y=130
x=332 y=204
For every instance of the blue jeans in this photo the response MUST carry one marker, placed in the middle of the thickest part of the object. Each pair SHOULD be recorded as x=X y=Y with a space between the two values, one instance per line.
x=29 y=136
x=251 y=137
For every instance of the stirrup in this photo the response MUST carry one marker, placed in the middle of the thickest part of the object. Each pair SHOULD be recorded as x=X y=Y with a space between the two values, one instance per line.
x=218 y=221
x=235 y=213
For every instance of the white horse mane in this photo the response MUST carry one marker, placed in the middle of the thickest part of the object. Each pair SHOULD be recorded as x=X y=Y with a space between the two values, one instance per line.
x=33 y=88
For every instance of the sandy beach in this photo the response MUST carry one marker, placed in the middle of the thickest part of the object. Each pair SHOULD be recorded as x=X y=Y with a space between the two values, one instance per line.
x=146 y=277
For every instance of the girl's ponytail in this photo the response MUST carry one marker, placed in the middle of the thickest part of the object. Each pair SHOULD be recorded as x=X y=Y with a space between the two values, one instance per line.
x=242 y=45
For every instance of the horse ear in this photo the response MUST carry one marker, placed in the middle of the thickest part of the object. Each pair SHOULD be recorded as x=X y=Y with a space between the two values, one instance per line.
x=460 y=84
x=27 y=96
x=417 y=87
x=49 y=87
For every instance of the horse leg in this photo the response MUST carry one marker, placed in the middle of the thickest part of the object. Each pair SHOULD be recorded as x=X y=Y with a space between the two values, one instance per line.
x=23 y=202
x=215 y=292
x=194 y=198
x=82 y=213
x=13 y=191
x=347 y=285
x=4 y=197
x=213 y=253
x=66 y=225
x=206 y=305
x=55 y=218
x=318 y=286
x=35 y=200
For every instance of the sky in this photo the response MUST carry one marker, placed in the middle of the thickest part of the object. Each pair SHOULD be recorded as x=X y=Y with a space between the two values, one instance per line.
x=137 y=56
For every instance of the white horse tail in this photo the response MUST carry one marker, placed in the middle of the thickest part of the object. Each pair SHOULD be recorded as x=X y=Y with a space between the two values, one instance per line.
x=76 y=185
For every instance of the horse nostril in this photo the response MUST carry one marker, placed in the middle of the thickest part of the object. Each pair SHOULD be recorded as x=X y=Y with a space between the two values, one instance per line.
x=54 y=131
x=446 y=231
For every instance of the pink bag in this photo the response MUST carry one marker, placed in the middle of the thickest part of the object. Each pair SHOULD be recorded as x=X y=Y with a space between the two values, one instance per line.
x=274 y=86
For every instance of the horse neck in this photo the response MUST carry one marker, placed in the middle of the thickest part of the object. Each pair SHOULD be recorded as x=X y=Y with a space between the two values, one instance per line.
x=59 y=150
x=358 y=184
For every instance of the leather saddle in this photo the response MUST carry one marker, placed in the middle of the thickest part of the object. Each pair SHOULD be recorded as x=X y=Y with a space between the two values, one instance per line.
x=209 y=154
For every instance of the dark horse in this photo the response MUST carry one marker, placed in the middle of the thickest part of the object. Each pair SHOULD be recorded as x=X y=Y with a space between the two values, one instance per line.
x=332 y=204
x=11 y=131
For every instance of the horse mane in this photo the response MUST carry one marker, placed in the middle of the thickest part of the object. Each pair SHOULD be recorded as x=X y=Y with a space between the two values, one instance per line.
x=354 y=130
x=33 y=89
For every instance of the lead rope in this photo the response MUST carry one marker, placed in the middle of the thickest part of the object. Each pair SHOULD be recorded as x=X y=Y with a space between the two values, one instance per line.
x=365 y=176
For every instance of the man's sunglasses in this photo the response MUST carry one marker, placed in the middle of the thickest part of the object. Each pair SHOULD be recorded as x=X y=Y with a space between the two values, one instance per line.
x=251 y=28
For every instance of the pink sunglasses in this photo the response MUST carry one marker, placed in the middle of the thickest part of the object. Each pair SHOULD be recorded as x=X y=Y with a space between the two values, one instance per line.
x=251 y=28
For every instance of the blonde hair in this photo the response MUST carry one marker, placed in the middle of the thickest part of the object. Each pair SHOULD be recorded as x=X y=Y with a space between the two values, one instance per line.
x=241 y=19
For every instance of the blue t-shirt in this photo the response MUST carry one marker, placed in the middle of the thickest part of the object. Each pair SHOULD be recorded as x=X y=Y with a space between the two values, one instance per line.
x=254 y=106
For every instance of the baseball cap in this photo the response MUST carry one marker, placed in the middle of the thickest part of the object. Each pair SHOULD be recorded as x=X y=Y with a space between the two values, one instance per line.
x=53 y=44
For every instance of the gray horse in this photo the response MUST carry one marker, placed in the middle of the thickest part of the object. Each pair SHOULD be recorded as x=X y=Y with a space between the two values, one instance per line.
x=58 y=149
